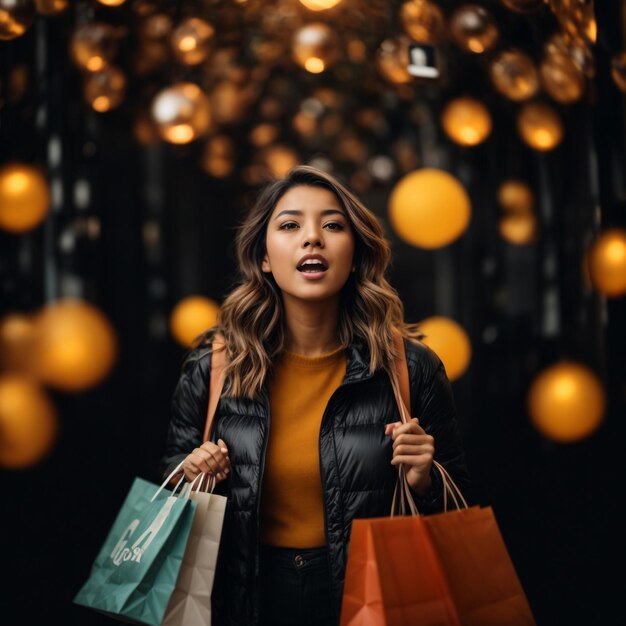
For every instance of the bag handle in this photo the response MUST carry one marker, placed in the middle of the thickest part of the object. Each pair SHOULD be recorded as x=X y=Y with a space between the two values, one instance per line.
x=401 y=390
x=216 y=382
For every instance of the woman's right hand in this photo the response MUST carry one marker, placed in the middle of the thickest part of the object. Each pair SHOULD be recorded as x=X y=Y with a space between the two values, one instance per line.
x=210 y=459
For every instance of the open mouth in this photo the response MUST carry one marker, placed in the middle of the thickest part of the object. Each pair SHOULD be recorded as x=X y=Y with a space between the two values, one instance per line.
x=312 y=266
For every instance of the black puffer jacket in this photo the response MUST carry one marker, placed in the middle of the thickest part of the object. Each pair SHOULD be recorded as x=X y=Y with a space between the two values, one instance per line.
x=357 y=476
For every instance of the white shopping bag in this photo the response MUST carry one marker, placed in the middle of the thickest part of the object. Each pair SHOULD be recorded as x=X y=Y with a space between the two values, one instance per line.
x=190 y=602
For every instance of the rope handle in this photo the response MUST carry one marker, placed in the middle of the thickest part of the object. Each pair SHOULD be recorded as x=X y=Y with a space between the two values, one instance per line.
x=402 y=492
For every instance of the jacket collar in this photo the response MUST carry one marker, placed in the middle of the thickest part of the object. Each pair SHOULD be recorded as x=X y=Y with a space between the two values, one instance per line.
x=357 y=361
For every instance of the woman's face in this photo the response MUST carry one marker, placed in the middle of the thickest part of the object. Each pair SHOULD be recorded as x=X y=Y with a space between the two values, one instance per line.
x=309 y=245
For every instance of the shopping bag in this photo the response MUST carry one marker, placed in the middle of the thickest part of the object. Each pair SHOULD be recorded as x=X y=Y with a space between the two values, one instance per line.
x=190 y=603
x=446 y=569
x=135 y=571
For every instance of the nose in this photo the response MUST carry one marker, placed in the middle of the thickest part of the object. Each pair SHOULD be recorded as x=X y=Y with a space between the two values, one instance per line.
x=313 y=237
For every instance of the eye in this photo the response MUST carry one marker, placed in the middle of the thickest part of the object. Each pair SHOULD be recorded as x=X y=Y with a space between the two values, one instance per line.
x=288 y=226
x=334 y=226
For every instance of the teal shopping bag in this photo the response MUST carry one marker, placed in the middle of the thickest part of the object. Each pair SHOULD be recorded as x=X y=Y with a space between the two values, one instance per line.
x=135 y=571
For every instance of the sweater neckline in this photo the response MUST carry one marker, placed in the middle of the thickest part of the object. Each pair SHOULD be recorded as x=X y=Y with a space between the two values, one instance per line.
x=323 y=360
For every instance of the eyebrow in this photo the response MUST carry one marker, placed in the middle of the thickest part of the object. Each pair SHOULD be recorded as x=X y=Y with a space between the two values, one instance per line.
x=324 y=212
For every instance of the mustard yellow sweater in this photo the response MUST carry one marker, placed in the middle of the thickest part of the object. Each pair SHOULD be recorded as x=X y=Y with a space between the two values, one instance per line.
x=292 y=509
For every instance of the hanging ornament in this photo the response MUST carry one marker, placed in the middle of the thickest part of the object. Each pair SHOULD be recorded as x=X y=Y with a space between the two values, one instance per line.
x=218 y=156
x=466 y=121
x=24 y=197
x=473 y=28
x=515 y=196
x=429 y=208
x=562 y=79
x=315 y=47
x=28 y=422
x=93 y=46
x=566 y=402
x=182 y=113
x=105 y=90
x=51 y=7
x=16 y=17
x=606 y=259
x=392 y=60
x=539 y=126
x=422 y=20
x=514 y=75
x=191 y=41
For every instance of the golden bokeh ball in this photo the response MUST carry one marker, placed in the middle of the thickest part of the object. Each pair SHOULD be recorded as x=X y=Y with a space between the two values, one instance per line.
x=429 y=208
x=392 y=60
x=182 y=113
x=514 y=75
x=105 y=90
x=24 y=197
x=566 y=402
x=466 y=121
x=606 y=260
x=279 y=159
x=422 y=20
x=191 y=317
x=218 y=157
x=315 y=47
x=17 y=333
x=473 y=28
x=539 y=126
x=450 y=342
x=515 y=196
x=93 y=46
x=75 y=345
x=562 y=78
x=28 y=422
x=16 y=17
x=51 y=7
x=319 y=5
x=618 y=70
x=518 y=228
x=191 y=40
x=112 y=3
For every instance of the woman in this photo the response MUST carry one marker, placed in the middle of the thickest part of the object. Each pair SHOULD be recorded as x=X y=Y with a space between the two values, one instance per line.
x=309 y=336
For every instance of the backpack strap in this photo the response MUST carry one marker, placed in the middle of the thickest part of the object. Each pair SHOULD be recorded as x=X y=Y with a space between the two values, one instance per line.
x=216 y=383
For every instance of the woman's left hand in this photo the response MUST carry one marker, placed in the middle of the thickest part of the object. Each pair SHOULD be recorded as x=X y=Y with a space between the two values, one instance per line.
x=413 y=447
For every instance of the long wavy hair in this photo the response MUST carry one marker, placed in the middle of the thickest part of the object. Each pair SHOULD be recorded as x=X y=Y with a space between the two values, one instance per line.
x=251 y=320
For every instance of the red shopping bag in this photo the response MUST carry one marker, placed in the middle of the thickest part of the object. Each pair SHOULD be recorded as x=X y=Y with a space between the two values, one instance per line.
x=446 y=569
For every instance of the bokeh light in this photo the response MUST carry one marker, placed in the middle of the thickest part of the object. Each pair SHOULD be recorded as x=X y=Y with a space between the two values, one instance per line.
x=539 y=126
x=24 y=197
x=606 y=259
x=450 y=342
x=466 y=121
x=75 y=345
x=566 y=402
x=429 y=208
x=28 y=422
x=191 y=317
x=182 y=113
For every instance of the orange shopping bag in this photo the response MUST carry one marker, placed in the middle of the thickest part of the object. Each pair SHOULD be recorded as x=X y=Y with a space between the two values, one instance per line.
x=446 y=569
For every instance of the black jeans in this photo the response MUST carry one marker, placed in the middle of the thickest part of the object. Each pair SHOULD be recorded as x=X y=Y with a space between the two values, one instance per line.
x=295 y=587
